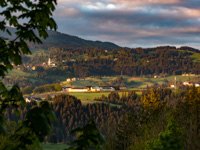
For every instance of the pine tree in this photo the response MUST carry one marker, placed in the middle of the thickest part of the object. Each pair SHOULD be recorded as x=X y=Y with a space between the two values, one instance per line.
x=127 y=132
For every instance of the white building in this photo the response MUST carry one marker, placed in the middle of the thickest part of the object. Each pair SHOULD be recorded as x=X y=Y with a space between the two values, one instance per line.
x=107 y=89
x=95 y=89
x=78 y=89
x=197 y=84
x=51 y=63
x=185 y=83
x=172 y=85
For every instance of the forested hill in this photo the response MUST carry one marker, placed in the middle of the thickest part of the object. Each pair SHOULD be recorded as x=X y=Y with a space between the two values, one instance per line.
x=58 y=39
x=61 y=40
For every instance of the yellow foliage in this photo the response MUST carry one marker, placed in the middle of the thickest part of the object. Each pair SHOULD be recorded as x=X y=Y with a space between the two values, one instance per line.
x=152 y=101
x=193 y=95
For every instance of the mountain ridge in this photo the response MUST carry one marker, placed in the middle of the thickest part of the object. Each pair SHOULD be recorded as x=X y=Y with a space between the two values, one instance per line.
x=59 y=39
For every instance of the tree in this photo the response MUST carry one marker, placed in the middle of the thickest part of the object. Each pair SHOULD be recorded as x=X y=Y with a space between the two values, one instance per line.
x=27 y=90
x=170 y=139
x=36 y=17
x=90 y=137
x=187 y=115
x=152 y=101
x=127 y=132
x=48 y=97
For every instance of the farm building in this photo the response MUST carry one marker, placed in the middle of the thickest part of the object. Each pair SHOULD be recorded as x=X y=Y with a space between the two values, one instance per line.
x=68 y=80
x=197 y=84
x=74 y=79
x=95 y=89
x=172 y=85
x=107 y=89
x=74 y=89
x=66 y=89
x=185 y=83
x=78 y=89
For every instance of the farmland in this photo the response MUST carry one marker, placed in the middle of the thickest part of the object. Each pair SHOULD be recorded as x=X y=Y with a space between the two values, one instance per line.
x=131 y=82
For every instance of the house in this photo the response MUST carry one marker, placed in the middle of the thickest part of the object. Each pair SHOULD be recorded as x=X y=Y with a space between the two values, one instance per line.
x=156 y=76
x=78 y=89
x=82 y=79
x=172 y=85
x=73 y=79
x=33 y=68
x=197 y=84
x=186 y=83
x=116 y=59
x=28 y=99
x=184 y=74
x=95 y=89
x=68 y=80
x=107 y=89
x=66 y=89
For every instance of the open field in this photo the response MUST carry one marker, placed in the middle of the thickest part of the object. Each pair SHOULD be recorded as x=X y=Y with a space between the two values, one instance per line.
x=195 y=57
x=131 y=82
x=49 y=146
x=85 y=97
x=19 y=73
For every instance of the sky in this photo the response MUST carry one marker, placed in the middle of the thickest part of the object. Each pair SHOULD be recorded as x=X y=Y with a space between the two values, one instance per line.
x=132 y=23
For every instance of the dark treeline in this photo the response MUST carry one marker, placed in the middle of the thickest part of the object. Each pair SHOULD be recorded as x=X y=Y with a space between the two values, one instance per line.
x=96 y=61
x=138 y=62
x=148 y=117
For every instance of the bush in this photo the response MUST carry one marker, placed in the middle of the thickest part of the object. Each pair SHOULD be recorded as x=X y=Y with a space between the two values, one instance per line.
x=27 y=90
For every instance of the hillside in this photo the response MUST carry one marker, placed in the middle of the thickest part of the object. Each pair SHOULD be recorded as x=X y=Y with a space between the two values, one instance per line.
x=62 y=40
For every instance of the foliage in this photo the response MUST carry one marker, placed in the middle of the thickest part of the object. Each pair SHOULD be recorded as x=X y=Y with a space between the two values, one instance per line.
x=36 y=125
x=152 y=101
x=10 y=129
x=48 y=97
x=127 y=132
x=90 y=137
x=27 y=90
x=170 y=139
x=187 y=115
x=47 y=88
x=36 y=16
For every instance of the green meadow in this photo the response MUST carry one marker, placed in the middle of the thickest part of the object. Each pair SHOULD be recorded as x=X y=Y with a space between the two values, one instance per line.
x=131 y=82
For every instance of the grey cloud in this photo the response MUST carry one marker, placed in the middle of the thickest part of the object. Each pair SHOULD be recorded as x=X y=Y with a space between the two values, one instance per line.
x=174 y=23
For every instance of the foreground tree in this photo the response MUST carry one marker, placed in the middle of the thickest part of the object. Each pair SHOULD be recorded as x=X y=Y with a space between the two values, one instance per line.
x=36 y=18
x=187 y=115
x=90 y=137
x=170 y=139
x=127 y=132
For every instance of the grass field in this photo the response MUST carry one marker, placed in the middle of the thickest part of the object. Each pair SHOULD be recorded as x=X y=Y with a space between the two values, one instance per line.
x=49 y=146
x=131 y=82
x=19 y=73
x=195 y=57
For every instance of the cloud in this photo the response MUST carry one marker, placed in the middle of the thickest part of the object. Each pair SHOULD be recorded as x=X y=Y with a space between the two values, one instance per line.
x=131 y=22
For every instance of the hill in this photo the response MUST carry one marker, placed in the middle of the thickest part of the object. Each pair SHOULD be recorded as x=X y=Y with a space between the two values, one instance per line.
x=62 y=40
